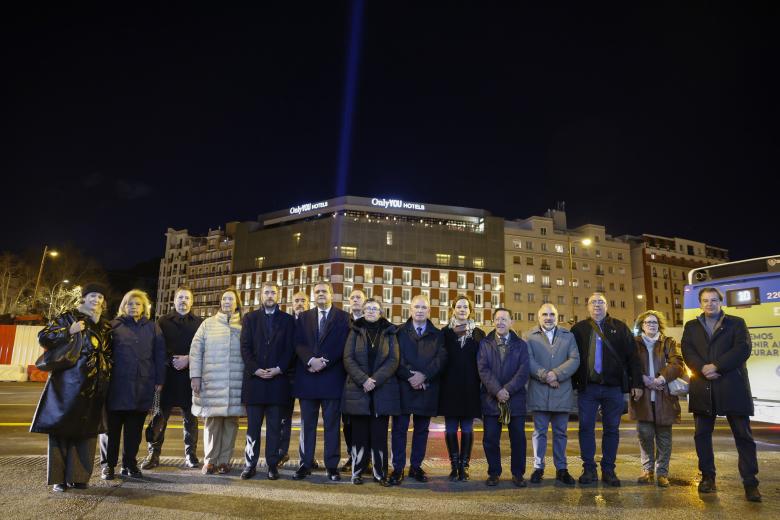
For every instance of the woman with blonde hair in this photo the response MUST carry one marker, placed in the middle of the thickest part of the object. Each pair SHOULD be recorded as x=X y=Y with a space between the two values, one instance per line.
x=216 y=376
x=657 y=409
x=138 y=371
x=459 y=399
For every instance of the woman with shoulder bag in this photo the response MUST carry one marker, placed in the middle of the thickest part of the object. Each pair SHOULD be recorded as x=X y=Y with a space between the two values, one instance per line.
x=657 y=410
x=71 y=409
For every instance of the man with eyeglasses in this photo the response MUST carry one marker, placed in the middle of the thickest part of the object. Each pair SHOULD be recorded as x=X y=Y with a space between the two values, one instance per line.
x=716 y=347
x=609 y=367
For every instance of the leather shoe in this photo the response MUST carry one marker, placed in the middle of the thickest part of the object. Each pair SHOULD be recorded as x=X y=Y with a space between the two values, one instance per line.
x=647 y=477
x=59 y=488
x=273 y=473
x=418 y=474
x=151 y=461
x=191 y=461
x=519 y=481
x=78 y=485
x=107 y=473
x=610 y=478
x=396 y=477
x=284 y=458
x=562 y=475
x=131 y=471
x=223 y=469
x=301 y=473
x=333 y=474
x=492 y=480
x=707 y=485
x=208 y=469
x=662 y=481
x=752 y=494
x=536 y=476
x=588 y=477
x=248 y=473
x=382 y=482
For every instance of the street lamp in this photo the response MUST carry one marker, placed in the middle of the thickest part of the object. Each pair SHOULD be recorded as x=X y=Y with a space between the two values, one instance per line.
x=50 y=253
x=585 y=242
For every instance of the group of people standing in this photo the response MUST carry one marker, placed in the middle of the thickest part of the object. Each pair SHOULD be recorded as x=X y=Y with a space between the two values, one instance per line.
x=365 y=375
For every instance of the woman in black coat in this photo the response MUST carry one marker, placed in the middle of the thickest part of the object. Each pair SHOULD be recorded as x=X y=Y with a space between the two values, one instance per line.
x=371 y=393
x=459 y=400
x=138 y=371
x=71 y=406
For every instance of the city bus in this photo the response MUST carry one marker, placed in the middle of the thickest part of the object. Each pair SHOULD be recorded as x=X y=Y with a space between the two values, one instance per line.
x=751 y=290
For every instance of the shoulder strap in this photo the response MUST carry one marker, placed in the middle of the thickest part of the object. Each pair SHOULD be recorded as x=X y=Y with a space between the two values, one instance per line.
x=605 y=341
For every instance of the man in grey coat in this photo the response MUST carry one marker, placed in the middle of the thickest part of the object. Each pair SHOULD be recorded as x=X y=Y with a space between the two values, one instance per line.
x=553 y=359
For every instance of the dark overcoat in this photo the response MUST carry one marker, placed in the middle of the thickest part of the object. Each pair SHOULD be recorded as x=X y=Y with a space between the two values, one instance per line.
x=511 y=374
x=385 y=398
x=728 y=349
x=424 y=354
x=139 y=364
x=259 y=350
x=72 y=404
x=459 y=395
x=178 y=332
x=328 y=383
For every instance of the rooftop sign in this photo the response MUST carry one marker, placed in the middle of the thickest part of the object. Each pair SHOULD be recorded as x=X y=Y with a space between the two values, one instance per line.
x=397 y=203
x=303 y=208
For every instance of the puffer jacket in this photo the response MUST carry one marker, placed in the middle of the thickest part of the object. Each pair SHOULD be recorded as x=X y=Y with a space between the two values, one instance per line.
x=215 y=357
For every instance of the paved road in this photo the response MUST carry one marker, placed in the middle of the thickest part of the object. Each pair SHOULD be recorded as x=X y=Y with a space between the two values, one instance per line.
x=172 y=491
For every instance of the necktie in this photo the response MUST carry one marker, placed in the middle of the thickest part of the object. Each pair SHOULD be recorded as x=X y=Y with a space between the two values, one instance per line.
x=599 y=354
x=322 y=321
x=419 y=331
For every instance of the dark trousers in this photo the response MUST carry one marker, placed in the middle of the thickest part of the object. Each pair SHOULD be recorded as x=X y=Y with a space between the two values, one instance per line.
x=254 y=424
x=190 y=430
x=132 y=423
x=331 y=417
x=419 y=440
x=70 y=460
x=491 y=442
x=369 y=437
x=346 y=429
x=610 y=400
x=743 y=438
x=286 y=429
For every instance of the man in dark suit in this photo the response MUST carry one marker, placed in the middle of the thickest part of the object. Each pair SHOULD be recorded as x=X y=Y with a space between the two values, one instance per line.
x=320 y=335
x=716 y=347
x=609 y=367
x=267 y=349
x=422 y=356
x=178 y=328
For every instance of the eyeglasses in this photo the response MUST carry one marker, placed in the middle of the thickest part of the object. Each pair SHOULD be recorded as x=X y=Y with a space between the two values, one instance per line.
x=597 y=302
x=371 y=309
x=650 y=322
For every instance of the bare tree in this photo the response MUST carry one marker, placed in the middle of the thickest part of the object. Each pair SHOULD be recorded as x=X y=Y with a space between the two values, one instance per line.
x=17 y=279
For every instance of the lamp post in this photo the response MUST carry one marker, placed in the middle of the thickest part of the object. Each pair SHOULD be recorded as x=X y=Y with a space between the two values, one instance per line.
x=585 y=242
x=52 y=254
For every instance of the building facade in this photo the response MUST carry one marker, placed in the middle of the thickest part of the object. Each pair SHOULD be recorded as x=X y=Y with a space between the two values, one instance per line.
x=202 y=263
x=660 y=268
x=546 y=262
x=390 y=249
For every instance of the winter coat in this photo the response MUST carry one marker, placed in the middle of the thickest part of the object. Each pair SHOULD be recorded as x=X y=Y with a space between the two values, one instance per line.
x=178 y=332
x=215 y=357
x=728 y=349
x=328 y=383
x=512 y=374
x=668 y=363
x=385 y=398
x=624 y=370
x=72 y=404
x=562 y=358
x=459 y=395
x=424 y=354
x=258 y=350
x=139 y=364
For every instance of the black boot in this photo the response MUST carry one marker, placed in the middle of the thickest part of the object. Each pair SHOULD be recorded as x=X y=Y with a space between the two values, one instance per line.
x=451 y=440
x=466 y=443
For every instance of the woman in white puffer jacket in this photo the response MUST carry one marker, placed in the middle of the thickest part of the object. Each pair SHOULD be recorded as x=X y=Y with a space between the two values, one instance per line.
x=216 y=373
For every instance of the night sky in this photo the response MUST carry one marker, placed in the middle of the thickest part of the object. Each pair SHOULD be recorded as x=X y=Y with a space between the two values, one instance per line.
x=118 y=122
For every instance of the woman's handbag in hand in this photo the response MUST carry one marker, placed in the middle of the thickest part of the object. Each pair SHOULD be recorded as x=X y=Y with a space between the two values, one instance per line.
x=62 y=357
x=678 y=387
x=157 y=422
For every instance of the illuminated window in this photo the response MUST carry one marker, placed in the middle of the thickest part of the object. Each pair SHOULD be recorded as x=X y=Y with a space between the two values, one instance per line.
x=479 y=263
x=290 y=276
x=389 y=238
x=369 y=292
x=461 y=280
x=387 y=295
x=326 y=273
x=494 y=281
x=442 y=259
x=495 y=300
x=478 y=282
x=517 y=278
x=387 y=275
x=259 y=262
x=444 y=279
x=545 y=281
x=443 y=295
x=406 y=295
x=407 y=277
x=529 y=278
x=517 y=244
x=238 y=282
x=297 y=238
x=368 y=274
x=559 y=282
x=559 y=248
x=348 y=252
x=442 y=316
x=347 y=291
x=314 y=274
x=349 y=273
x=404 y=313
x=461 y=261
x=425 y=278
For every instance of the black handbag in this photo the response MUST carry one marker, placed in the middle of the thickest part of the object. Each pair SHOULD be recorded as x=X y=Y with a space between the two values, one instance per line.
x=62 y=357
x=157 y=422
